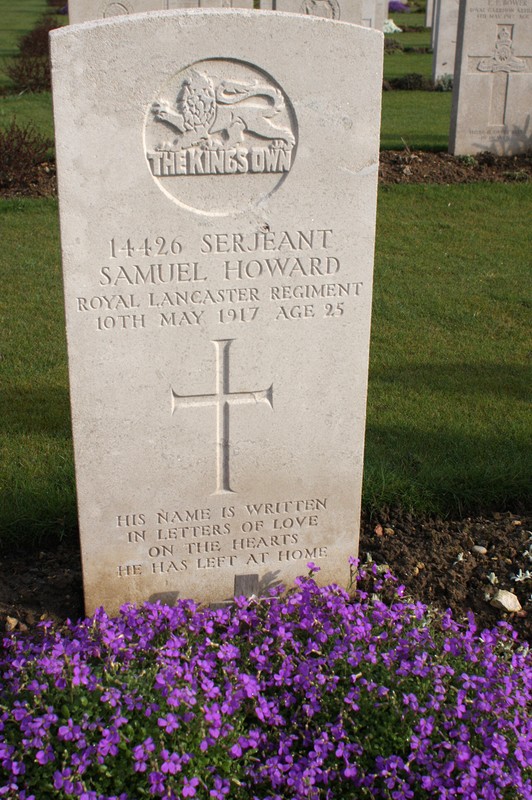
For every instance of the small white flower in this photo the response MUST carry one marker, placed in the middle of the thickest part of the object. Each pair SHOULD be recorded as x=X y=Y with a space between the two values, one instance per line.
x=522 y=576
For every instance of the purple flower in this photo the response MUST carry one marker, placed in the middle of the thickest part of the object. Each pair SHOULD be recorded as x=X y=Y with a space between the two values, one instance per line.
x=189 y=787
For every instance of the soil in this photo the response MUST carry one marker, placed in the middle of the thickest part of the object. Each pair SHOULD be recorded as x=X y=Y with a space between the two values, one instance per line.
x=435 y=559
x=418 y=166
x=396 y=166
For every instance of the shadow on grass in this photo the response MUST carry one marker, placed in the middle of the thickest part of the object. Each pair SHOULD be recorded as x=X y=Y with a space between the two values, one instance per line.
x=33 y=517
x=433 y=469
x=44 y=411
x=510 y=381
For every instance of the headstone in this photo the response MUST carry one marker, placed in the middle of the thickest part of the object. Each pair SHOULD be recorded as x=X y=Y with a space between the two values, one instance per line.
x=341 y=10
x=87 y=10
x=217 y=214
x=428 y=13
x=374 y=13
x=445 y=32
x=492 y=95
x=433 y=25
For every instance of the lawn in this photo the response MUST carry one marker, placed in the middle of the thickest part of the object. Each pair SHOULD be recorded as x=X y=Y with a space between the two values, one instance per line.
x=446 y=430
x=447 y=417
x=419 y=119
x=16 y=19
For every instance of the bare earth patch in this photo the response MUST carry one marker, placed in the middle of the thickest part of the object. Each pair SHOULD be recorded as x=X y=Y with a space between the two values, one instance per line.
x=418 y=166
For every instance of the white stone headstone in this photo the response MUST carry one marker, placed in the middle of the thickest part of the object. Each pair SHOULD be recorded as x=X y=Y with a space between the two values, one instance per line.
x=492 y=94
x=445 y=32
x=217 y=209
x=340 y=10
x=374 y=13
x=428 y=13
x=87 y=10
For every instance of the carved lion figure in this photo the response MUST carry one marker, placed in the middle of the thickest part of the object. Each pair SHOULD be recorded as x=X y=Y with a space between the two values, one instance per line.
x=219 y=116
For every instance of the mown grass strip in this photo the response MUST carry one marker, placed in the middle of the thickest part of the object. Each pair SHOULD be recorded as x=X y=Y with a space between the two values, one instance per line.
x=17 y=19
x=448 y=426
x=419 y=120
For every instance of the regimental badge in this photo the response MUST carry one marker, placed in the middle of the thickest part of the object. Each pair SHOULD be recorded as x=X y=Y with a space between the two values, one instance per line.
x=321 y=8
x=220 y=118
x=503 y=58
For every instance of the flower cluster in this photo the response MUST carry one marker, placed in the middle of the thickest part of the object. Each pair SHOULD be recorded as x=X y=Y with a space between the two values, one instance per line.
x=396 y=7
x=307 y=694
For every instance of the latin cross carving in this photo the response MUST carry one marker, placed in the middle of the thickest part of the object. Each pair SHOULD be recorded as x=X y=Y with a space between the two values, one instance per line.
x=222 y=399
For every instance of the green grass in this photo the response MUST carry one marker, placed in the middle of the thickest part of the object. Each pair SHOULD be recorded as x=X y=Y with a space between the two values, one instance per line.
x=28 y=108
x=403 y=63
x=421 y=119
x=447 y=415
x=416 y=19
x=36 y=483
x=448 y=425
x=448 y=381
x=418 y=38
x=17 y=18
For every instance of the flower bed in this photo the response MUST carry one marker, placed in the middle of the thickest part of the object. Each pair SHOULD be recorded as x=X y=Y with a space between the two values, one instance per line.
x=309 y=694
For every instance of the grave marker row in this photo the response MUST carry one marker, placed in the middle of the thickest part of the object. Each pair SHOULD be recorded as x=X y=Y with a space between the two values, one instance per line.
x=370 y=13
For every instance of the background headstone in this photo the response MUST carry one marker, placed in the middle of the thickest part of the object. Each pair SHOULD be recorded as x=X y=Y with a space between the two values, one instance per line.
x=374 y=13
x=342 y=10
x=492 y=94
x=434 y=17
x=217 y=199
x=445 y=33
x=428 y=13
x=87 y=10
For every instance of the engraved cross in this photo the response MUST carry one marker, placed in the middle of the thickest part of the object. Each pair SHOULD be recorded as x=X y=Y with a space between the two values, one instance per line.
x=222 y=399
x=501 y=63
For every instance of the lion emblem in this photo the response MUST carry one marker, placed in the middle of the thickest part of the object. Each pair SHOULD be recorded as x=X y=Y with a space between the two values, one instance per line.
x=218 y=116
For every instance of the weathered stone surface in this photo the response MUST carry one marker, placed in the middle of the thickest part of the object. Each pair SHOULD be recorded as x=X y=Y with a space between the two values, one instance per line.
x=217 y=215
x=492 y=95
x=444 y=42
x=87 y=10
